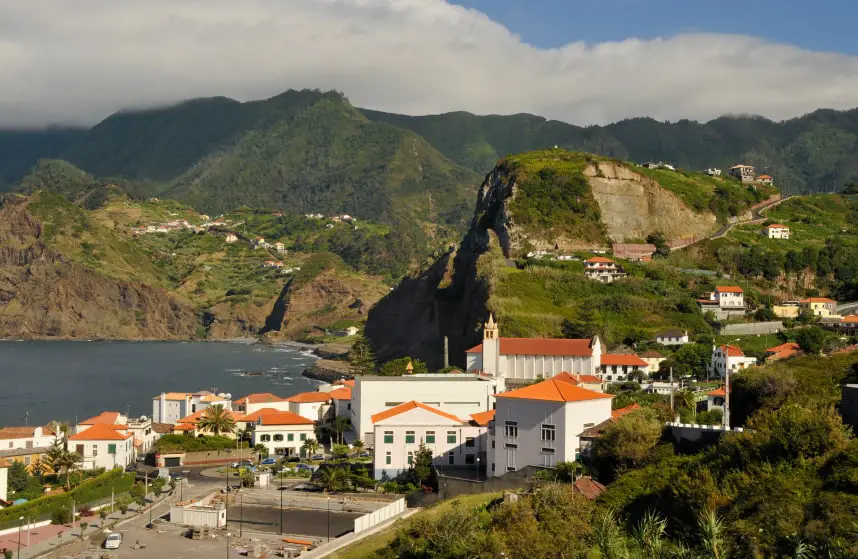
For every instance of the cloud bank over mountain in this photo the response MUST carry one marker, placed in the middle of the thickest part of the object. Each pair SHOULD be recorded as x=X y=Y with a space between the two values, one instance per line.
x=76 y=62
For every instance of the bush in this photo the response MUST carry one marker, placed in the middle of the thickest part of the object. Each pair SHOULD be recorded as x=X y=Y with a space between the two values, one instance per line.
x=194 y=444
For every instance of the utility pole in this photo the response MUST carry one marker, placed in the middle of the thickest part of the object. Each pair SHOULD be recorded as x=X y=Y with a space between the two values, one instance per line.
x=671 y=389
x=727 y=399
x=446 y=352
x=26 y=417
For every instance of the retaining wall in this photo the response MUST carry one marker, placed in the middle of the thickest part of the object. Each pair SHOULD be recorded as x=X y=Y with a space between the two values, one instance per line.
x=381 y=515
x=751 y=329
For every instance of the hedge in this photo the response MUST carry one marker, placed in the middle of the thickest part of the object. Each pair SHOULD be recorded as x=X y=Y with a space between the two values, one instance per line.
x=91 y=490
x=186 y=443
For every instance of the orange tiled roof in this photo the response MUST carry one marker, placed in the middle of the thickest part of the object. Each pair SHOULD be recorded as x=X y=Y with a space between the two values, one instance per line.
x=542 y=346
x=22 y=432
x=309 y=397
x=209 y=398
x=284 y=418
x=577 y=378
x=616 y=414
x=346 y=382
x=732 y=351
x=408 y=406
x=588 y=487
x=553 y=390
x=623 y=359
x=254 y=417
x=344 y=393
x=184 y=427
x=104 y=418
x=262 y=398
x=764 y=177
x=482 y=418
x=849 y=319
x=100 y=432
x=173 y=396
x=818 y=300
x=195 y=417
x=788 y=348
x=718 y=392
x=775 y=226
x=729 y=289
x=599 y=260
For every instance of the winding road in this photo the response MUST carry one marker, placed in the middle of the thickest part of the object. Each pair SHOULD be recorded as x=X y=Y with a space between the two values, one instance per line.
x=757 y=217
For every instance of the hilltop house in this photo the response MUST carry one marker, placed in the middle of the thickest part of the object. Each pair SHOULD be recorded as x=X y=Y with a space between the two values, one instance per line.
x=726 y=301
x=653 y=359
x=672 y=337
x=776 y=231
x=619 y=367
x=849 y=324
x=744 y=173
x=280 y=247
x=633 y=251
x=715 y=399
x=822 y=307
x=230 y=238
x=782 y=351
x=454 y=442
x=538 y=425
x=729 y=358
x=603 y=269
x=764 y=179
x=713 y=172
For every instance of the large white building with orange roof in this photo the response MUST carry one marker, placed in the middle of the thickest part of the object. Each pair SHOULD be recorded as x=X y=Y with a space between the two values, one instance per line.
x=603 y=269
x=103 y=446
x=729 y=359
x=455 y=442
x=283 y=433
x=315 y=406
x=26 y=437
x=114 y=419
x=255 y=402
x=169 y=407
x=538 y=425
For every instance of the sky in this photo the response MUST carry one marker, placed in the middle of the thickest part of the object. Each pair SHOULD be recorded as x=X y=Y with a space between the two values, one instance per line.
x=593 y=62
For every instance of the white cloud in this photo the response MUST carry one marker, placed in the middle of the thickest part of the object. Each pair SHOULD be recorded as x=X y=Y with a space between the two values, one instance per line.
x=78 y=61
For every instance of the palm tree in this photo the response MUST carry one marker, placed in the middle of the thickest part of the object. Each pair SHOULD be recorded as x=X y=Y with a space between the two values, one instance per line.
x=339 y=426
x=711 y=529
x=217 y=419
x=685 y=399
x=260 y=450
x=358 y=445
x=311 y=446
x=67 y=462
x=649 y=534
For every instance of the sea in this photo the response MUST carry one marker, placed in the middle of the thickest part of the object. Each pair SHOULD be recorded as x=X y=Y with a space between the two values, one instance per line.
x=41 y=381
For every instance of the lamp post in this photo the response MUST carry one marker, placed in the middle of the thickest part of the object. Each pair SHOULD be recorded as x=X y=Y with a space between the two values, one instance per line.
x=20 y=522
x=329 y=519
x=280 y=473
x=240 y=511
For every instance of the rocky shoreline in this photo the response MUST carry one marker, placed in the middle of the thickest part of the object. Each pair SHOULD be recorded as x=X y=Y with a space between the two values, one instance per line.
x=327 y=370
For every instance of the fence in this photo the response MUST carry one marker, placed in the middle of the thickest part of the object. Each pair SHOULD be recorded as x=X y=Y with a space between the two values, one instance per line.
x=772 y=327
x=380 y=515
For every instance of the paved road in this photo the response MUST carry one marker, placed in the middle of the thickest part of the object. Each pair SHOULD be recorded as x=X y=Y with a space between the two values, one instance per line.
x=847 y=308
x=757 y=217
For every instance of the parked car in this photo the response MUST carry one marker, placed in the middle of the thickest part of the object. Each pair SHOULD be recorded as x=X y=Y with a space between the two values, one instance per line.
x=318 y=457
x=307 y=467
x=269 y=462
x=247 y=462
x=131 y=468
x=365 y=454
x=235 y=465
x=113 y=540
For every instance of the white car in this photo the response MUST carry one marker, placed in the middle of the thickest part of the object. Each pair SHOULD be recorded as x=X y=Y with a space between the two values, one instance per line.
x=113 y=541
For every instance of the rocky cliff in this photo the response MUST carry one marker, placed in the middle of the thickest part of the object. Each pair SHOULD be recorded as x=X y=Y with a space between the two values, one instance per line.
x=45 y=295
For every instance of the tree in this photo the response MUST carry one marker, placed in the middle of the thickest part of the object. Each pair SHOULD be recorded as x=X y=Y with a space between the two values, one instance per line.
x=40 y=467
x=358 y=445
x=217 y=419
x=422 y=465
x=83 y=526
x=66 y=463
x=340 y=451
x=685 y=399
x=18 y=479
x=338 y=426
x=310 y=446
x=585 y=325
x=334 y=479
x=399 y=367
x=261 y=452
x=361 y=356
x=658 y=239
x=811 y=340
x=626 y=443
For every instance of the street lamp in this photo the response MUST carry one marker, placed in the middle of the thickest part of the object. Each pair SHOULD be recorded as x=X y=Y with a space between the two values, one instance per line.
x=280 y=473
x=240 y=511
x=20 y=522
x=329 y=518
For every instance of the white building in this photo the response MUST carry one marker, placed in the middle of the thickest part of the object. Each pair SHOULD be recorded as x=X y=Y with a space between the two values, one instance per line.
x=744 y=173
x=230 y=238
x=4 y=481
x=26 y=437
x=459 y=395
x=103 y=446
x=315 y=406
x=111 y=418
x=713 y=172
x=144 y=434
x=729 y=297
x=342 y=400
x=520 y=360
x=729 y=358
x=617 y=367
x=401 y=430
x=776 y=231
x=603 y=269
x=255 y=402
x=715 y=399
x=170 y=407
x=672 y=337
x=279 y=247
x=282 y=433
x=538 y=425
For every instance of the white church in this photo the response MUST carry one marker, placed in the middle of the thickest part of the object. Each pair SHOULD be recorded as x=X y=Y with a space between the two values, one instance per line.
x=522 y=360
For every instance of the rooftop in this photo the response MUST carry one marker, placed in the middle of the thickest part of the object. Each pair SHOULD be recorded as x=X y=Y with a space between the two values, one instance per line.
x=23 y=432
x=100 y=432
x=310 y=397
x=599 y=260
x=483 y=418
x=104 y=418
x=625 y=359
x=553 y=390
x=254 y=417
x=732 y=350
x=775 y=226
x=283 y=418
x=652 y=355
x=728 y=289
x=577 y=378
x=11 y=452
x=412 y=405
x=588 y=487
x=672 y=333
x=542 y=346
x=818 y=300
x=172 y=396
x=344 y=393
x=261 y=398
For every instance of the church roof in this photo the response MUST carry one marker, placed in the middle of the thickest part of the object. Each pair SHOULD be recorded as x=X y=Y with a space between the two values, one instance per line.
x=542 y=346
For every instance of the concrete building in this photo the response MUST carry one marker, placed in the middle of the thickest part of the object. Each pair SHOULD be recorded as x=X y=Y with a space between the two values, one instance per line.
x=315 y=406
x=617 y=367
x=4 y=482
x=729 y=358
x=342 y=400
x=103 y=446
x=170 y=407
x=399 y=432
x=230 y=238
x=744 y=173
x=776 y=231
x=458 y=395
x=521 y=360
x=144 y=434
x=715 y=399
x=822 y=307
x=653 y=360
x=787 y=309
x=538 y=425
x=725 y=302
x=603 y=269
x=672 y=337
x=282 y=433
x=26 y=437
x=113 y=419
x=255 y=402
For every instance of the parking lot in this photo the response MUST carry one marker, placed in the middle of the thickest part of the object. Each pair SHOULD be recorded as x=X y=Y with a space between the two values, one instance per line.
x=304 y=522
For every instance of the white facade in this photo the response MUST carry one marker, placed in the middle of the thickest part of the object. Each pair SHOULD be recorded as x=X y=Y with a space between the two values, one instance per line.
x=452 y=442
x=713 y=172
x=282 y=436
x=459 y=395
x=170 y=407
x=4 y=481
x=253 y=403
x=25 y=437
x=744 y=173
x=729 y=297
x=729 y=359
x=143 y=433
x=776 y=232
x=672 y=337
x=603 y=270
x=103 y=447
x=530 y=432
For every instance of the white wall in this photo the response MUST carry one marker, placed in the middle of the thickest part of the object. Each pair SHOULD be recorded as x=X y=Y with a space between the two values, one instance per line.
x=279 y=406
x=39 y=439
x=299 y=433
x=314 y=411
x=4 y=484
x=96 y=453
x=378 y=516
x=169 y=411
x=457 y=394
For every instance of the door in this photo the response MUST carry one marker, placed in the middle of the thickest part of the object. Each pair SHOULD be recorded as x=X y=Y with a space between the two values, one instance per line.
x=172 y=462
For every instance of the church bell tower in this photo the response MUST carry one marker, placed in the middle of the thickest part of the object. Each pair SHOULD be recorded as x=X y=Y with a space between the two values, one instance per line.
x=491 y=347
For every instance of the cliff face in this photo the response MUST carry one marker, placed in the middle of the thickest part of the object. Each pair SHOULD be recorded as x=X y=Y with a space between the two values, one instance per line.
x=44 y=295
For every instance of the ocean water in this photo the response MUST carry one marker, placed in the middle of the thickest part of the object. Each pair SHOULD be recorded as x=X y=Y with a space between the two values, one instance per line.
x=71 y=381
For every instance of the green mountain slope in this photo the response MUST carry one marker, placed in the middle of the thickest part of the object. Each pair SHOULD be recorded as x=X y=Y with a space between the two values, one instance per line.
x=21 y=149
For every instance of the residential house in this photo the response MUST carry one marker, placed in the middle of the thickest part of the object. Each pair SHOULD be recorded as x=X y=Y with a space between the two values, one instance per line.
x=399 y=432
x=765 y=179
x=715 y=399
x=315 y=406
x=782 y=351
x=351 y=331
x=603 y=269
x=282 y=433
x=729 y=359
x=113 y=419
x=653 y=359
x=744 y=173
x=725 y=302
x=189 y=425
x=633 y=251
x=169 y=407
x=521 y=360
x=103 y=446
x=280 y=247
x=342 y=399
x=589 y=435
x=539 y=424
x=713 y=172
x=272 y=264
x=258 y=242
x=619 y=367
x=672 y=337
x=230 y=238
x=776 y=231
x=821 y=307
x=26 y=437
x=459 y=395
x=26 y=456
x=144 y=434
x=849 y=324
x=255 y=402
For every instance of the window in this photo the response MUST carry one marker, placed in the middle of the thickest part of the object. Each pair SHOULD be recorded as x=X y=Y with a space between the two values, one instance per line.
x=27 y=460
x=410 y=458
x=78 y=449
x=493 y=466
x=511 y=429
x=409 y=437
x=470 y=459
x=493 y=443
x=469 y=442
x=95 y=450
x=451 y=437
x=349 y=406
x=265 y=438
x=303 y=436
x=588 y=425
x=29 y=444
x=388 y=437
x=451 y=457
x=510 y=468
x=387 y=459
x=278 y=437
x=547 y=451
x=111 y=449
x=290 y=437
x=391 y=404
x=548 y=433
x=430 y=437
